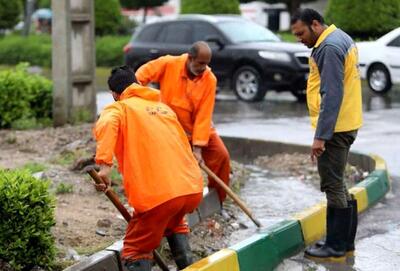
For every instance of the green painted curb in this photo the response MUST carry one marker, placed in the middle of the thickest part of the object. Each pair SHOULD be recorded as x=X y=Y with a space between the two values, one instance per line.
x=287 y=238
x=257 y=253
x=377 y=185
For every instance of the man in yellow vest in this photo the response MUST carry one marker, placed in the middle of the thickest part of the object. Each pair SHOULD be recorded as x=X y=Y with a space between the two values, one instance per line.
x=335 y=107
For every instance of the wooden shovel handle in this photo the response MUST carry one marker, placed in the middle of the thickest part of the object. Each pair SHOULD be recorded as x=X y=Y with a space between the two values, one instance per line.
x=124 y=212
x=230 y=193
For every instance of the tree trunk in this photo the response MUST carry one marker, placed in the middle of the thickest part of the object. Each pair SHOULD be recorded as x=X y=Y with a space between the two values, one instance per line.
x=30 y=5
x=144 y=15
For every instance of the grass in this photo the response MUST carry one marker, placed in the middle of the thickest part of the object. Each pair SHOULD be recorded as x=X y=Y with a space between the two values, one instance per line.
x=115 y=176
x=93 y=249
x=31 y=123
x=287 y=36
x=67 y=158
x=34 y=167
x=64 y=188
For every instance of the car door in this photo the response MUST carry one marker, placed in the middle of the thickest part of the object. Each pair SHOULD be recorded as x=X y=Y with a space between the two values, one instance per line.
x=220 y=61
x=175 y=38
x=144 y=46
x=393 y=57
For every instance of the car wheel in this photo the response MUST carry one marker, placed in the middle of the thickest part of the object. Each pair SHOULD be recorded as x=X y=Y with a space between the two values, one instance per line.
x=379 y=79
x=300 y=95
x=247 y=84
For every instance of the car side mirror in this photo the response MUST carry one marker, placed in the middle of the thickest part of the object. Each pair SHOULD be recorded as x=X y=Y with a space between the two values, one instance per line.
x=216 y=40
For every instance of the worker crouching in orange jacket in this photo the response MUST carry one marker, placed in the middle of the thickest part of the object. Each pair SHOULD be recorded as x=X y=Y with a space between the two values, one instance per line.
x=188 y=86
x=161 y=177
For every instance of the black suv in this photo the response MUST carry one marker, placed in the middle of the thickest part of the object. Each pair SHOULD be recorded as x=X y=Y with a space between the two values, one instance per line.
x=247 y=57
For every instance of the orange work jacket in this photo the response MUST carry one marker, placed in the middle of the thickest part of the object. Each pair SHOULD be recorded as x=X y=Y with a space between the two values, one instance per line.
x=192 y=100
x=153 y=154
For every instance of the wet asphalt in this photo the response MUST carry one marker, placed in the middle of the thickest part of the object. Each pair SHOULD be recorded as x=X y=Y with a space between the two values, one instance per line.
x=280 y=118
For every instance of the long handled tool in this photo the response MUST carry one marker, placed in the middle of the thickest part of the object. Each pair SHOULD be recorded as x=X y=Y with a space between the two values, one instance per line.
x=230 y=193
x=117 y=203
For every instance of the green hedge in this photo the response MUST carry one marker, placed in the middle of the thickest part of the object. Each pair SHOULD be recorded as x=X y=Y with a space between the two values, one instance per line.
x=364 y=18
x=37 y=50
x=24 y=97
x=27 y=215
x=109 y=50
x=33 y=49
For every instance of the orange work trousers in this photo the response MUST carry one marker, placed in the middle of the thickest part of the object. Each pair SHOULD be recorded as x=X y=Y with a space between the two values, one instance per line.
x=145 y=230
x=216 y=158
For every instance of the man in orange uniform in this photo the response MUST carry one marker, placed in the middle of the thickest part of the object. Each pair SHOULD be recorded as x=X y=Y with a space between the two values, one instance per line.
x=188 y=86
x=162 y=179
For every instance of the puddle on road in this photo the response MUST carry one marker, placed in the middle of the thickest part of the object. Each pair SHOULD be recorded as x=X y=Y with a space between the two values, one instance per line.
x=273 y=199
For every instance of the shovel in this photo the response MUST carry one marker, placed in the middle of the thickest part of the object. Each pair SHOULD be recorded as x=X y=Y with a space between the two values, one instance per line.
x=231 y=194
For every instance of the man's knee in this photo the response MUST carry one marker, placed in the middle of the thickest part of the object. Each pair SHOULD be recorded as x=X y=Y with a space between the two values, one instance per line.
x=336 y=197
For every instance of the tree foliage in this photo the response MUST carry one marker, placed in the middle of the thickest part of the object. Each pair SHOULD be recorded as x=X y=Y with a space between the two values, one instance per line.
x=136 y=4
x=210 y=7
x=145 y=4
x=350 y=15
x=292 y=5
x=10 y=12
x=43 y=3
x=108 y=16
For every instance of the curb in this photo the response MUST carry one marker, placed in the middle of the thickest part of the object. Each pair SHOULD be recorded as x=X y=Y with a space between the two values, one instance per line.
x=266 y=249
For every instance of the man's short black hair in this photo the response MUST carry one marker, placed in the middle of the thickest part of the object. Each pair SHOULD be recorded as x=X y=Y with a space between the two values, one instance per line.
x=307 y=16
x=121 y=78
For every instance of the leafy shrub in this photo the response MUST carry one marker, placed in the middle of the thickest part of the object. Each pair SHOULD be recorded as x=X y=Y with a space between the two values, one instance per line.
x=350 y=15
x=24 y=96
x=107 y=16
x=27 y=215
x=210 y=7
x=109 y=50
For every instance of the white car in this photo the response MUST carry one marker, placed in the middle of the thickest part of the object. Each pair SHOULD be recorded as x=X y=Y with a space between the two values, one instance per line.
x=380 y=61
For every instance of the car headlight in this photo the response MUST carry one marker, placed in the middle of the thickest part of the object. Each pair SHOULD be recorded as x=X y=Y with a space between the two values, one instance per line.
x=277 y=56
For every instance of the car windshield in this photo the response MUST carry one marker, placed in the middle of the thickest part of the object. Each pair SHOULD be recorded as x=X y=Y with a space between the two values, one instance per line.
x=245 y=31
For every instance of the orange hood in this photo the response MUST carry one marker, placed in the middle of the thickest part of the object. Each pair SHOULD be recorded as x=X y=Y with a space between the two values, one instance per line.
x=136 y=90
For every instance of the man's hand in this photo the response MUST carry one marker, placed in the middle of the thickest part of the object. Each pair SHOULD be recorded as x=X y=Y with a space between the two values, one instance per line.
x=104 y=172
x=197 y=154
x=317 y=148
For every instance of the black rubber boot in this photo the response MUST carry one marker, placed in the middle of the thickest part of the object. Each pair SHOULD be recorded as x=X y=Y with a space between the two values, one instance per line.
x=329 y=222
x=180 y=250
x=353 y=228
x=350 y=248
x=334 y=249
x=138 y=265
